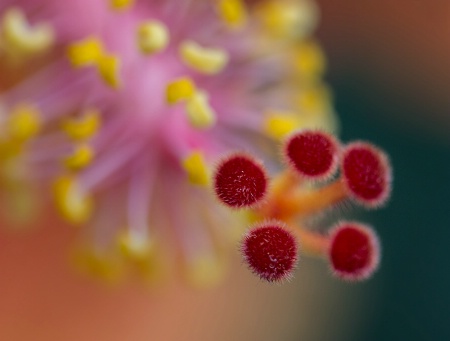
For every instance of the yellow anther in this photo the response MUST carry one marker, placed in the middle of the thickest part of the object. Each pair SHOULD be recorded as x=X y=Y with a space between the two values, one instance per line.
x=309 y=59
x=24 y=122
x=143 y=255
x=81 y=157
x=108 y=68
x=199 y=113
x=179 y=90
x=73 y=204
x=315 y=105
x=22 y=38
x=233 y=12
x=202 y=59
x=278 y=125
x=197 y=170
x=13 y=170
x=315 y=99
x=287 y=18
x=85 y=52
x=134 y=247
x=152 y=37
x=121 y=5
x=9 y=149
x=101 y=264
x=205 y=271
x=84 y=127
x=89 y=52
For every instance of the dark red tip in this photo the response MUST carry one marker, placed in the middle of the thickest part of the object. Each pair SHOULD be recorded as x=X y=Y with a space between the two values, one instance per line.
x=366 y=173
x=354 y=251
x=270 y=251
x=240 y=181
x=313 y=154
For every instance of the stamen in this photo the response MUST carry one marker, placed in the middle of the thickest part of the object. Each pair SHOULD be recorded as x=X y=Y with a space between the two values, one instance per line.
x=134 y=247
x=152 y=37
x=202 y=59
x=84 y=127
x=101 y=264
x=80 y=158
x=89 y=52
x=121 y=5
x=24 y=122
x=288 y=19
x=179 y=90
x=108 y=68
x=19 y=36
x=73 y=204
x=153 y=268
x=142 y=255
x=199 y=112
x=233 y=12
x=309 y=60
x=315 y=100
x=279 y=125
x=195 y=166
x=9 y=150
x=85 y=52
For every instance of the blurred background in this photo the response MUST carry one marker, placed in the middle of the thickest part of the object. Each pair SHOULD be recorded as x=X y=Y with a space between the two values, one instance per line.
x=389 y=67
x=390 y=71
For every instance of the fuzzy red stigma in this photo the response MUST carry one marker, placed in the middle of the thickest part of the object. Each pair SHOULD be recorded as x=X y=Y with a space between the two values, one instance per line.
x=366 y=174
x=313 y=154
x=270 y=251
x=240 y=181
x=354 y=251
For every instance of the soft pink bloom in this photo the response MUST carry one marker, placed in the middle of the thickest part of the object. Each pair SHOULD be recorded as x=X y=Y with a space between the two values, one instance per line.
x=141 y=174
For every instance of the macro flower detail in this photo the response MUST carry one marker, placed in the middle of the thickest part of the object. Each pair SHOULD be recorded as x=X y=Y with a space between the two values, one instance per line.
x=351 y=248
x=117 y=113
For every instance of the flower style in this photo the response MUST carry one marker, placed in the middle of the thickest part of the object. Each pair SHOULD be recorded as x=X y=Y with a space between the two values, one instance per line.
x=312 y=157
x=117 y=111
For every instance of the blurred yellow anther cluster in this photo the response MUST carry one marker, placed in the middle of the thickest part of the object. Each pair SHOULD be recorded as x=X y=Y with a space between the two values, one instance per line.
x=123 y=119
